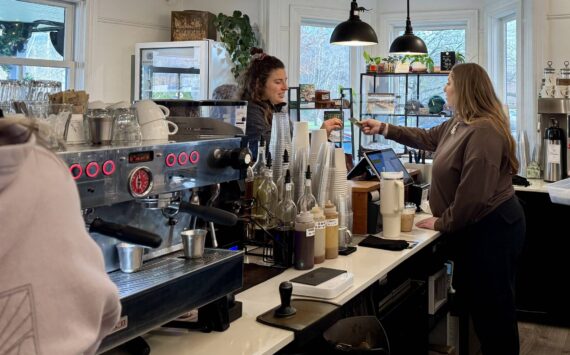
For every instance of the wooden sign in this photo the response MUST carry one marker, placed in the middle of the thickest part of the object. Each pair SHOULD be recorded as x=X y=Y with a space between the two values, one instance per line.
x=447 y=61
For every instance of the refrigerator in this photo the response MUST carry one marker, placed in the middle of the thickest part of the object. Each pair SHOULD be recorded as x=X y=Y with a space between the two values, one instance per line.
x=181 y=70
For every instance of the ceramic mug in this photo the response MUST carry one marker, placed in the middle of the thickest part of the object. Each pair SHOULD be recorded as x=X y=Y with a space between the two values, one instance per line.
x=548 y=91
x=148 y=111
x=562 y=91
x=158 y=130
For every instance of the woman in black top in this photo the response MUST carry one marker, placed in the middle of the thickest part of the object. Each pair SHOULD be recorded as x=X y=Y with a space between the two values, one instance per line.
x=264 y=86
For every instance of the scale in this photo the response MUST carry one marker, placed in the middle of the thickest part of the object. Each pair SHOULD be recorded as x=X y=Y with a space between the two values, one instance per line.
x=322 y=283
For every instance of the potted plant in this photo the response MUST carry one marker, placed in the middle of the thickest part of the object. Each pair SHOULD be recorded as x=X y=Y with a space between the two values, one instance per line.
x=390 y=64
x=459 y=57
x=372 y=63
x=236 y=33
x=420 y=63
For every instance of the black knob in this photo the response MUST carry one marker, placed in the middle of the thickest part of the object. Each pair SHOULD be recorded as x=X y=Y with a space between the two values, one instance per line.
x=238 y=158
x=285 y=292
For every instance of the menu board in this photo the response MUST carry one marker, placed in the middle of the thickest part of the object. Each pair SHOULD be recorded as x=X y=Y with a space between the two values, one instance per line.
x=447 y=61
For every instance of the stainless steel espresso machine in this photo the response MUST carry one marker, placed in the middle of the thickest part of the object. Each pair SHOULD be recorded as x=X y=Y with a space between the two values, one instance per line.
x=142 y=194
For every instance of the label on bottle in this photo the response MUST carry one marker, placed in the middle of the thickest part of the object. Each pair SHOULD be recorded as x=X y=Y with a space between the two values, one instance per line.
x=332 y=222
x=310 y=232
x=320 y=225
x=553 y=153
x=287 y=187
x=307 y=182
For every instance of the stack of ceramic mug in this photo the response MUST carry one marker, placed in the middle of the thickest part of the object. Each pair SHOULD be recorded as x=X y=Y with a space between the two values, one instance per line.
x=152 y=119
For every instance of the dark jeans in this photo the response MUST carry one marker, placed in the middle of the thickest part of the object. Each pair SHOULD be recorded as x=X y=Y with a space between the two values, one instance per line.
x=485 y=259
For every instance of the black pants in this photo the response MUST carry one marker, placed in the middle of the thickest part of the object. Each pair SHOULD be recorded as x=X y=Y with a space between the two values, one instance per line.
x=485 y=256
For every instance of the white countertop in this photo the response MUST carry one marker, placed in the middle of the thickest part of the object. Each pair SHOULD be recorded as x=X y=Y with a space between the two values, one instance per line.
x=536 y=185
x=247 y=336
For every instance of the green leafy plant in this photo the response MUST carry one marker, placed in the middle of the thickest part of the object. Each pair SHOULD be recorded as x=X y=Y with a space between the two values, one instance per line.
x=371 y=60
x=423 y=59
x=459 y=57
x=238 y=36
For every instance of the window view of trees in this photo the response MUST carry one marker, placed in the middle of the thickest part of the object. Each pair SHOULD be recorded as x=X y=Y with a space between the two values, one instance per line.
x=31 y=30
x=510 y=75
x=326 y=66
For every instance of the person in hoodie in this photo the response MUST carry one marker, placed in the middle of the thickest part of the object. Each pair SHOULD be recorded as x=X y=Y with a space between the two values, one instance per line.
x=55 y=296
x=264 y=85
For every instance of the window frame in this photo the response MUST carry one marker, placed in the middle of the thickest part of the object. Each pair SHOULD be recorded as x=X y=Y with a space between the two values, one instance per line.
x=497 y=17
x=69 y=58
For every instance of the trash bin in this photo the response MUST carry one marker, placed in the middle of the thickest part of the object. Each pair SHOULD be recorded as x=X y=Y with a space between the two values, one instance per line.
x=358 y=335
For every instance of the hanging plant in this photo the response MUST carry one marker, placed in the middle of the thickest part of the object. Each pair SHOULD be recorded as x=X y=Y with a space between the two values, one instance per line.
x=236 y=33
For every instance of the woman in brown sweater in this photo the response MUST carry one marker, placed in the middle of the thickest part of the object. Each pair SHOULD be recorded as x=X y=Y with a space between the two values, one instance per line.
x=472 y=199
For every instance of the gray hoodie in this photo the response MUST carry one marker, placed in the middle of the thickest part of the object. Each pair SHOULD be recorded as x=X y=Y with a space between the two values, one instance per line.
x=55 y=297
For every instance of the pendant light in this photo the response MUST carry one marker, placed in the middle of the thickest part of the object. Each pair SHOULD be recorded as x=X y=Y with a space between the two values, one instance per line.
x=354 y=32
x=408 y=43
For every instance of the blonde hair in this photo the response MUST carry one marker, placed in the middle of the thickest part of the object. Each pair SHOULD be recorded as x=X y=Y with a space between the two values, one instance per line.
x=476 y=99
x=18 y=130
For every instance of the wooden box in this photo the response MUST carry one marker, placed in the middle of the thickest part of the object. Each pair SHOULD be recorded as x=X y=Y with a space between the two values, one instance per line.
x=191 y=25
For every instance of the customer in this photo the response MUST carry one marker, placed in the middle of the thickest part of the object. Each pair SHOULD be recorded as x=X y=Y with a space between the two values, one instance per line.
x=56 y=297
x=472 y=199
x=264 y=86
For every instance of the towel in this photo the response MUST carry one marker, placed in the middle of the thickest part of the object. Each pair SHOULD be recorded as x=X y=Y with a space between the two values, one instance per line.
x=381 y=243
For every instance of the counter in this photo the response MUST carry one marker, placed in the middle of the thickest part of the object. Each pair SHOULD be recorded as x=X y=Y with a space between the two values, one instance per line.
x=247 y=336
x=536 y=185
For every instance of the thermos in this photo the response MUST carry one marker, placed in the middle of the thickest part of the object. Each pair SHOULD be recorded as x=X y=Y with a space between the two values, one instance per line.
x=554 y=154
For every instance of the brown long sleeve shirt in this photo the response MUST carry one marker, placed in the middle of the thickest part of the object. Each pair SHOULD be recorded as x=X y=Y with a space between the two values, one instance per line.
x=470 y=173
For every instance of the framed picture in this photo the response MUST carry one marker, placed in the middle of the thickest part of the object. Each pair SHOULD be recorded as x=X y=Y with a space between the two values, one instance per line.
x=335 y=135
x=380 y=103
x=307 y=92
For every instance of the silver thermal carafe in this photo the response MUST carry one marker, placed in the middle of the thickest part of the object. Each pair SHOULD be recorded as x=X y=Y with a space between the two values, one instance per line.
x=554 y=150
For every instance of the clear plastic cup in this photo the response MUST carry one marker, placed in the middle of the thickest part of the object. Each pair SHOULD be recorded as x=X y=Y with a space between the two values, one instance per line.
x=408 y=215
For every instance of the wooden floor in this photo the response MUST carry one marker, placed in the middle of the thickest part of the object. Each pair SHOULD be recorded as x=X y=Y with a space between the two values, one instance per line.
x=538 y=339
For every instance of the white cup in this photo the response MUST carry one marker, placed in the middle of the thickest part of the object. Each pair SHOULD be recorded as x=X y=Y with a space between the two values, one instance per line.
x=548 y=91
x=148 y=111
x=158 y=130
x=562 y=91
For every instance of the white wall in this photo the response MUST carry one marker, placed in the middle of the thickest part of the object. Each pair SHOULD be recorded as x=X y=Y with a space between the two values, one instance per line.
x=116 y=25
x=558 y=20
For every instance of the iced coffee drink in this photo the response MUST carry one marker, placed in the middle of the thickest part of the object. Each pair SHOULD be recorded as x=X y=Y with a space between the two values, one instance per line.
x=408 y=214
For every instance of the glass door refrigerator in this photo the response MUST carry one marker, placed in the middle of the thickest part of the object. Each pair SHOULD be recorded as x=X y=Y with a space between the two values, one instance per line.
x=182 y=70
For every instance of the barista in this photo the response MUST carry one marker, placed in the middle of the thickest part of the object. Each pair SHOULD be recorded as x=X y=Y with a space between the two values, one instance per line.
x=264 y=86
x=57 y=297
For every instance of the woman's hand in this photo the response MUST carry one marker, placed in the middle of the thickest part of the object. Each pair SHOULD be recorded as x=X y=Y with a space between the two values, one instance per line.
x=332 y=124
x=371 y=126
x=428 y=223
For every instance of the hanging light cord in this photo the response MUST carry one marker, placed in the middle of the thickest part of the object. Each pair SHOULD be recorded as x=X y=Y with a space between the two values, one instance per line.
x=409 y=29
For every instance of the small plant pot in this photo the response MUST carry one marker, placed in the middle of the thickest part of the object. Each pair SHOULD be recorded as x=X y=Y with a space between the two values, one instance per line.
x=371 y=68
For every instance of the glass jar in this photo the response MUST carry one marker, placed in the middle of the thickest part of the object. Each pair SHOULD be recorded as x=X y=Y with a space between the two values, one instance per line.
x=126 y=128
x=564 y=75
x=549 y=77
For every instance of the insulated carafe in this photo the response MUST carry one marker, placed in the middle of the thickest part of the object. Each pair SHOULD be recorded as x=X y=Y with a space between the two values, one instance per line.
x=554 y=154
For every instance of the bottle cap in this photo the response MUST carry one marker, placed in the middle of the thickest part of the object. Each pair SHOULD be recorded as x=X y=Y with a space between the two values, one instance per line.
x=304 y=217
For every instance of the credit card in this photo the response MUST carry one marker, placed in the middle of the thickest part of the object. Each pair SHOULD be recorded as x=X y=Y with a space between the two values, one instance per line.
x=356 y=122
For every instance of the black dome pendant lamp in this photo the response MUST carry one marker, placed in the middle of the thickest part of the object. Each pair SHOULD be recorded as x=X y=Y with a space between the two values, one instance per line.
x=354 y=32
x=408 y=43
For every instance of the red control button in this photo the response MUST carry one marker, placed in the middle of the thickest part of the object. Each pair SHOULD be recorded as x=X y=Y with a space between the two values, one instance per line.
x=170 y=160
x=92 y=169
x=183 y=158
x=76 y=171
x=108 y=167
x=194 y=157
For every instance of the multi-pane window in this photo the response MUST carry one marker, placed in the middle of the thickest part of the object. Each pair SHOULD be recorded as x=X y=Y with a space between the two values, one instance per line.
x=36 y=40
x=326 y=66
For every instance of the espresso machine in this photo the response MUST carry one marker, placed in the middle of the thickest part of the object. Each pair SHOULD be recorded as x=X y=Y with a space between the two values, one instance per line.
x=554 y=121
x=143 y=195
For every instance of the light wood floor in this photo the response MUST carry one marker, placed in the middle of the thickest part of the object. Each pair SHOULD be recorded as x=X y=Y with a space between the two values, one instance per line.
x=538 y=339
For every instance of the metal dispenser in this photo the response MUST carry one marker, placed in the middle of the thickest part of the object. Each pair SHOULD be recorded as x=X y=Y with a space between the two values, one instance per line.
x=554 y=120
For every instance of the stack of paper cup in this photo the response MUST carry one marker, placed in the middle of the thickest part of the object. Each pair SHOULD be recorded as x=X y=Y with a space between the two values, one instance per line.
x=321 y=180
x=338 y=183
x=280 y=141
x=318 y=137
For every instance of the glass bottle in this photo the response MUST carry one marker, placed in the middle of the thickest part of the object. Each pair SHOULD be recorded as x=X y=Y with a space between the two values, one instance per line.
x=284 y=233
x=258 y=169
x=307 y=200
x=249 y=178
x=281 y=181
x=266 y=198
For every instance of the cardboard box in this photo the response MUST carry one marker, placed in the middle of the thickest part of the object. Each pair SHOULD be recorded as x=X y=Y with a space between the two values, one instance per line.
x=191 y=25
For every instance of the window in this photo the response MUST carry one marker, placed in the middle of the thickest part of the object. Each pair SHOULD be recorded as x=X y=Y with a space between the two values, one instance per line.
x=510 y=69
x=504 y=55
x=36 y=41
x=326 y=66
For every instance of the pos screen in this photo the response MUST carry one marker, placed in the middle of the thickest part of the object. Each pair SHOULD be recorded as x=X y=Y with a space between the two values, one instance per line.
x=386 y=160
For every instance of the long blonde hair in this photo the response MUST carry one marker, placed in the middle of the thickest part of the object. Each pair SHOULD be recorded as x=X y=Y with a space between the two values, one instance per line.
x=476 y=99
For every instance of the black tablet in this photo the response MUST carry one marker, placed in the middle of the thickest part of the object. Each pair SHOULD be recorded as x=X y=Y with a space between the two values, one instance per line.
x=386 y=160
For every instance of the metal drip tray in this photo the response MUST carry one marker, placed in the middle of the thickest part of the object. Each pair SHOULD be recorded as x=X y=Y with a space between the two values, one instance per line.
x=169 y=286
x=156 y=272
